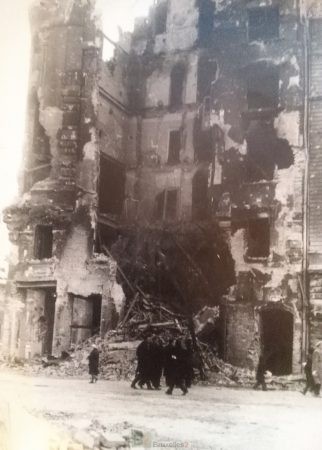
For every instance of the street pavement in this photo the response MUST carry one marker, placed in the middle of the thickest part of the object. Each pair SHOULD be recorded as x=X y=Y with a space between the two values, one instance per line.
x=208 y=418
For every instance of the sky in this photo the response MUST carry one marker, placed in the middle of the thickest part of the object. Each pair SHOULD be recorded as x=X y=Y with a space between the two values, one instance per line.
x=15 y=52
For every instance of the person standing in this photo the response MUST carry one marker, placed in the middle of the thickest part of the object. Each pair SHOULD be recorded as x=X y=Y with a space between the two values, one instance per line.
x=176 y=369
x=93 y=363
x=317 y=368
x=167 y=369
x=260 y=374
x=310 y=385
x=156 y=362
x=143 y=370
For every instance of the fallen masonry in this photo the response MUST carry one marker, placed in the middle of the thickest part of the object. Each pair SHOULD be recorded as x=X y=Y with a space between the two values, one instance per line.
x=118 y=362
x=43 y=433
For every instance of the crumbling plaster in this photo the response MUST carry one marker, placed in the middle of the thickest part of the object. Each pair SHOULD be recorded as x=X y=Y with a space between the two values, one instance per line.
x=158 y=83
x=181 y=29
x=79 y=273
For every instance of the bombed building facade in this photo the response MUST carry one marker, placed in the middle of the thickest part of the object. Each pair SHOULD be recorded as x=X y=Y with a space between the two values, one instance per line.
x=208 y=112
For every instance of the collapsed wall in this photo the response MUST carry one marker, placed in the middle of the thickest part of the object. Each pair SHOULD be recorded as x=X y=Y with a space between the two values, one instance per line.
x=219 y=137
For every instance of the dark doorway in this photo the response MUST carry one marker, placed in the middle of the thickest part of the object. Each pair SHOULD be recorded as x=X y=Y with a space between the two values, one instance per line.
x=49 y=320
x=277 y=340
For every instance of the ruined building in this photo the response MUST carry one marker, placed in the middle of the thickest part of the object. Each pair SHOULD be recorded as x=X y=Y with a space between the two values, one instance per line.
x=209 y=111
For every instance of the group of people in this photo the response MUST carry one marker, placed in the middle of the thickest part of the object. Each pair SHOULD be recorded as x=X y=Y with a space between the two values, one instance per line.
x=173 y=360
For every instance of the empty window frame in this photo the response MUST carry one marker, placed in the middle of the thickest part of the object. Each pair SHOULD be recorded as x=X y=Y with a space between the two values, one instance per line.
x=166 y=205
x=207 y=70
x=174 y=147
x=258 y=238
x=43 y=245
x=205 y=22
x=263 y=23
x=160 y=18
x=111 y=186
x=200 y=195
x=85 y=317
x=263 y=87
x=177 y=83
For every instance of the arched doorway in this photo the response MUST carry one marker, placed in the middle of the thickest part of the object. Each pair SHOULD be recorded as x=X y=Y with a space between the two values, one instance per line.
x=277 y=340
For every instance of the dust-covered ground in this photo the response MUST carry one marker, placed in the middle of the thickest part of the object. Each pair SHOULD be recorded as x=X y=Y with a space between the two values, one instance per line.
x=207 y=418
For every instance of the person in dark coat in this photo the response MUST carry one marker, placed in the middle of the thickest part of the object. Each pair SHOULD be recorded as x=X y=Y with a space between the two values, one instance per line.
x=310 y=385
x=143 y=370
x=176 y=368
x=156 y=362
x=93 y=363
x=188 y=362
x=167 y=358
x=260 y=374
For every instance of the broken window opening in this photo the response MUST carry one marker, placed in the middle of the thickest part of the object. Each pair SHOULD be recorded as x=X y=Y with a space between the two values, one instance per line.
x=86 y=317
x=265 y=151
x=204 y=141
x=207 y=71
x=258 y=238
x=111 y=186
x=200 y=195
x=160 y=18
x=263 y=23
x=174 y=147
x=263 y=87
x=43 y=247
x=277 y=340
x=205 y=22
x=166 y=205
x=177 y=82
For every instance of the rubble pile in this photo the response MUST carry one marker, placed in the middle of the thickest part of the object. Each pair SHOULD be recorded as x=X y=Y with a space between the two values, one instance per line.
x=221 y=373
x=118 y=436
x=144 y=314
x=117 y=360
x=118 y=350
